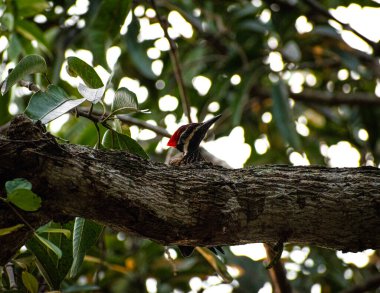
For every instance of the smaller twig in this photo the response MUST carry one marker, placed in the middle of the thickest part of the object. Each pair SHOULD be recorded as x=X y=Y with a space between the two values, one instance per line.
x=96 y=115
x=277 y=272
x=91 y=108
x=102 y=259
x=47 y=78
x=11 y=276
x=29 y=85
x=18 y=214
x=99 y=138
x=176 y=64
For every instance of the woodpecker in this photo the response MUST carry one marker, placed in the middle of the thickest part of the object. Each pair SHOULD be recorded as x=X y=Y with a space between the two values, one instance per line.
x=187 y=139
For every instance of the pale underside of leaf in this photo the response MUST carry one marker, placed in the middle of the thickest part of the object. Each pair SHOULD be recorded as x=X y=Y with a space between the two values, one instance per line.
x=49 y=105
x=61 y=109
x=92 y=95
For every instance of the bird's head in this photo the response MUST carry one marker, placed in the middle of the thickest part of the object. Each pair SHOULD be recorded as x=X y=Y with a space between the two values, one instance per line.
x=187 y=138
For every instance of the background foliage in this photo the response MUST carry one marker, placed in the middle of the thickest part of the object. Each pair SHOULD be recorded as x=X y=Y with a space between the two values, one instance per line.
x=272 y=68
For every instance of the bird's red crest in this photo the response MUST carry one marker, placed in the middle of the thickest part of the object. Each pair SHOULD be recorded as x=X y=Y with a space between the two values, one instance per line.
x=175 y=137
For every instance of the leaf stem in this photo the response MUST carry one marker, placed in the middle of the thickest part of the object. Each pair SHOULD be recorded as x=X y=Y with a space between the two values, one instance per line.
x=18 y=214
x=98 y=131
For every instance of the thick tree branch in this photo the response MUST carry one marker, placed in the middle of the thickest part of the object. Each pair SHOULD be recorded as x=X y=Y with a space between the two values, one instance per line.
x=195 y=205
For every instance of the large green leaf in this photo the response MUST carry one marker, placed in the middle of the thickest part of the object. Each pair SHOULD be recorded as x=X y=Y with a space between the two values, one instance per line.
x=26 y=8
x=45 y=263
x=117 y=141
x=14 y=49
x=49 y=105
x=283 y=115
x=124 y=102
x=48 y=229
x=18 y=183
x=7 y=21
x=77 y=67
x=216 y=263
x=85 y=235
x=96 y=40
x=59 y=234
x=255 y=26
x=136 y=51
x=8 y=230
x=28 y=65
x=30 y=282
x=50 y=245
x=25 y=199
x=109 y=17
x=32 y=32
x=121 y=128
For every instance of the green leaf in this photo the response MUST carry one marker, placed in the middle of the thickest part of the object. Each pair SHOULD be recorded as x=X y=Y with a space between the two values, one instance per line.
x=50 y=245
x=92 y=95
x=32 y=32
x=25 y=199
x=121 y=128
x=239 y=104
x=216 y=263
x=15 y=48
x=124 y=102
x=283 y=115
x=7 y=20
x=85 y=235
x=5 y=231
x=30 y=282
x=18 y=183
x=350 y=61
x=254 y=25
x=110 y=16
x=64 y=263
x=136 y=51
x=326 y=31
x=45 y=263
x=96 y=40
x=27 y=8
x=117 y=141
x=47 y=229
x=77 y=67
x=49 y=105
x=28 y=65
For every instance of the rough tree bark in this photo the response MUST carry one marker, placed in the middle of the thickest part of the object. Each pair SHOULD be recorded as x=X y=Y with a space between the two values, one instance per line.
x=195 y=205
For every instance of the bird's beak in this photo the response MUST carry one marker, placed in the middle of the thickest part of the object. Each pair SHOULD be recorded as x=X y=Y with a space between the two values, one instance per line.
x=207 y=124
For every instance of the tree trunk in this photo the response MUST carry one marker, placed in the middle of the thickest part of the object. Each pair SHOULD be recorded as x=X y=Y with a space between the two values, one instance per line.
x=200 y=205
